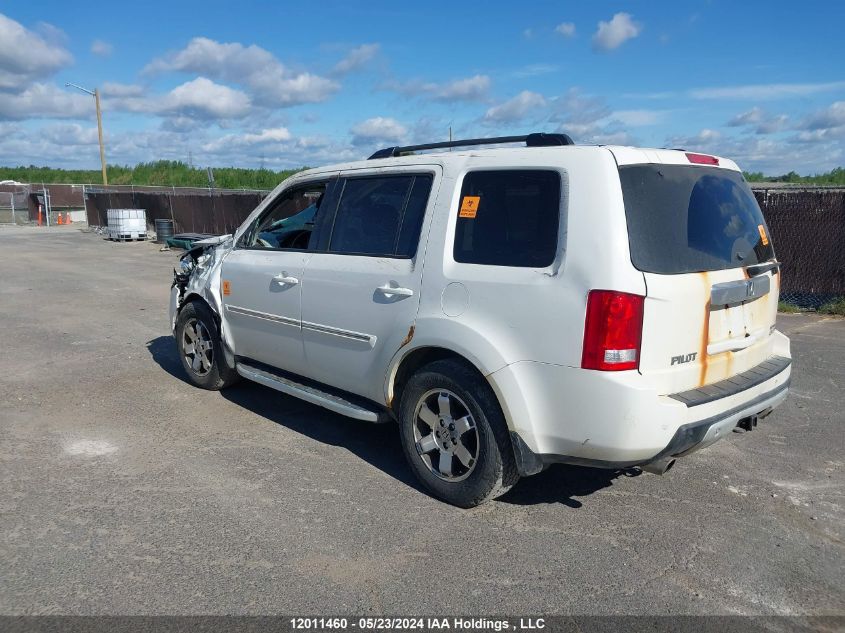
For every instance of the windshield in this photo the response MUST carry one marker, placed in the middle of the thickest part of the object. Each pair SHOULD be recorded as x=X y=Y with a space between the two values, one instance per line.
x=689 y=219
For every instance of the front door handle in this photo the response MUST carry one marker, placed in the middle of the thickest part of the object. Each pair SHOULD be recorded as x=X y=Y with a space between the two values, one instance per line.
x=388 y=291
x=283 y=278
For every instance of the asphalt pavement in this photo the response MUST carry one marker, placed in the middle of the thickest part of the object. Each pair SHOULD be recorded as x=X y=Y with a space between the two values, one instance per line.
x=125 y=490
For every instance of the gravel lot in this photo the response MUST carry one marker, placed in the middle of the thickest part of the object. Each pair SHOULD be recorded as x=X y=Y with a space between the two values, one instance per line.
x=127 y=491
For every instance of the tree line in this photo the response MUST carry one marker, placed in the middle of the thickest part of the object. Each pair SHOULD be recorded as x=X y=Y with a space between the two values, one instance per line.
x=178 y=174
x=163 y=173
x=833 y=177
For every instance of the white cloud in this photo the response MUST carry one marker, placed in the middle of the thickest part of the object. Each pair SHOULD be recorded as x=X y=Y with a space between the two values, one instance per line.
x=356 y=59
x=515 y=108
x=574 y=107
x=705 y=140
x=760 y=120
x=804 y=153
x=101 y=48
x=470 y=89
x=271 y=83
x=613 y=34
x=750 y=117
x=378 y=130
x=187 y=104
x=70 y=134
x=114 y=89
x=272 y=136
x=567 y=29
x=830 y=117
x=824 y=125
x=473 y=88
x=759 y=92
x=202 y=98
x=41 y=100
x=26 y=56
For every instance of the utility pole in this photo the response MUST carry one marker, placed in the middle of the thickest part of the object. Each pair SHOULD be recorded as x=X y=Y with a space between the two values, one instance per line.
x=96 y=94
x=100 y=136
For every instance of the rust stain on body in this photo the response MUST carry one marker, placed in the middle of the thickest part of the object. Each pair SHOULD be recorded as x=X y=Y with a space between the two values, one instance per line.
x=408 y=338
x=705 y=331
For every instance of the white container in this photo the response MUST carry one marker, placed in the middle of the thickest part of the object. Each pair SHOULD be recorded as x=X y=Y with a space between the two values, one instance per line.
x=127 y=224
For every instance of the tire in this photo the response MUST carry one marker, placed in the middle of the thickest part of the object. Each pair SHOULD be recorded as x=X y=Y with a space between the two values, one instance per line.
x=206 y=368
x=485 y=468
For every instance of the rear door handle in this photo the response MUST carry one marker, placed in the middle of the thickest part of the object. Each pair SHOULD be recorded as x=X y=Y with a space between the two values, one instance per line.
x=283 y=278
x=389 y=291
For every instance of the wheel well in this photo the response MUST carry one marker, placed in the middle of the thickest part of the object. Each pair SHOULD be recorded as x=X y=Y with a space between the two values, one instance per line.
x=195 y=298
x=416 y=359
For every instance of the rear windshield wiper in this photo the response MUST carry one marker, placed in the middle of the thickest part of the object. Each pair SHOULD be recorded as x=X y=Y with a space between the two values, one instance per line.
x=759 y=269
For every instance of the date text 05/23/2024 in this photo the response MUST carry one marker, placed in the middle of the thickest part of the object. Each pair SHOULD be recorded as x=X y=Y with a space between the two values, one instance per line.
x=416 y=623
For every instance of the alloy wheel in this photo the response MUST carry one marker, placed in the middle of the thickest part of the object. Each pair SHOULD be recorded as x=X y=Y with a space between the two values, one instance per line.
x=446 y=435
x=197 y=347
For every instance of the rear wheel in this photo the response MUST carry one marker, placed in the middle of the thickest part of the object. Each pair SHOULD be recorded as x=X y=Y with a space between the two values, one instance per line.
x=454 y=434
x=200 y=348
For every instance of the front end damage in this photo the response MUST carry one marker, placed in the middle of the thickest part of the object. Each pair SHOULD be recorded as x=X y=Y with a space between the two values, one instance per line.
x=197 y=277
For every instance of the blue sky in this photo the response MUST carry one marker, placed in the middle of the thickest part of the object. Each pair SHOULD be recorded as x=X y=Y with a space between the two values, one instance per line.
x=289 y=84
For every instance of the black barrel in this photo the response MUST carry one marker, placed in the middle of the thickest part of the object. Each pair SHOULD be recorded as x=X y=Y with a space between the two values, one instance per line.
x=164 y=230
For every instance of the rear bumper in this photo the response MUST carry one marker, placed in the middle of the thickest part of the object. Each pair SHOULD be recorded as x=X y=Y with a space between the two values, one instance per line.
x=616 y=420
x=687 y=439
x=697 y=435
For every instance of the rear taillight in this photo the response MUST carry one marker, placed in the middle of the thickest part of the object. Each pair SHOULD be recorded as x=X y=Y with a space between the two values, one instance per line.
x=612 y=331
x=702 y=159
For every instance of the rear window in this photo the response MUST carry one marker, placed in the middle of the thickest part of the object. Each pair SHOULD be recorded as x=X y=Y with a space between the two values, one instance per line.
x=508 y=218
x=690 y=219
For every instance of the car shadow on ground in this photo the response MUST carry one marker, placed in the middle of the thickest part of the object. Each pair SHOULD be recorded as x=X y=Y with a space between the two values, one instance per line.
x=163 y=352
x=379 y=444
x=561 y=483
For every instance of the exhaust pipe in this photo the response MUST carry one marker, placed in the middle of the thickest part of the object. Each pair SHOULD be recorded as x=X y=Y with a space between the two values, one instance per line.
x=660 y=466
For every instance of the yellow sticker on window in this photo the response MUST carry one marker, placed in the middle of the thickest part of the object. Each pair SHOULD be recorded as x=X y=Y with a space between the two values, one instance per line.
x=227 y=288
x=763 y=234
x=469 y=206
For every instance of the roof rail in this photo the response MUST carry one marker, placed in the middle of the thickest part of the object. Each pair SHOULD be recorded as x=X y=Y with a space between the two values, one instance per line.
x=538 y=139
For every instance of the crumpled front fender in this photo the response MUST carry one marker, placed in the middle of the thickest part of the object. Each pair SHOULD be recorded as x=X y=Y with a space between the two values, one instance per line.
x=204 y=283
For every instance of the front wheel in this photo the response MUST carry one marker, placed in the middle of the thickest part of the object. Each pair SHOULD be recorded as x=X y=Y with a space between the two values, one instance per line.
x=454 y=435
x=200 y=348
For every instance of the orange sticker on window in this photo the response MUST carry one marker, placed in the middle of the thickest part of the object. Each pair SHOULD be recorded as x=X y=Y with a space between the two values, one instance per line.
x=227 y=288
x=469 y=206
x=763 y=235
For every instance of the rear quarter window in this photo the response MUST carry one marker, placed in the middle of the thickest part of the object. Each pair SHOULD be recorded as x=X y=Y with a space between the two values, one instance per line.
x=690 y=219
x=508 y=218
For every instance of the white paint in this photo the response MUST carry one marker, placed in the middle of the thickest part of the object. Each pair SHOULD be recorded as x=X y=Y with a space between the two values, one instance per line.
x=91 y=448
x=521 y=327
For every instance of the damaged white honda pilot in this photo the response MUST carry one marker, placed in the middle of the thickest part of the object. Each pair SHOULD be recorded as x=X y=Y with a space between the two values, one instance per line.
x=509 y=307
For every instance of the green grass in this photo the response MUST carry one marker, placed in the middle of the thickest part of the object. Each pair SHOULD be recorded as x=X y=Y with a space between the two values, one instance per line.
x=789 y=308
x=837 y=306
x=162 y=172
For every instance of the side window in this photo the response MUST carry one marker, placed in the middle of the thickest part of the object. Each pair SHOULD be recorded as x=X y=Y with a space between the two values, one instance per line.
x=289 y=221
x=380 y=215
x=409 y=232
x=508 y=218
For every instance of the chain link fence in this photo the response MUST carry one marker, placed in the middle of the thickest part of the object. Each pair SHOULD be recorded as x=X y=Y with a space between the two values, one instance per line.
x=212 y=211
x=807 y=223
x=14 y=208
x=808 y=231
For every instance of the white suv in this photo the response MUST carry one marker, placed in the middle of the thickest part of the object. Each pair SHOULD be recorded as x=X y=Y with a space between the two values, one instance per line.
x=508 y=307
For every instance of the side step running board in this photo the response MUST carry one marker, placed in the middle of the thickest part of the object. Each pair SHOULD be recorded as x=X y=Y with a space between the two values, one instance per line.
x=311 y=394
